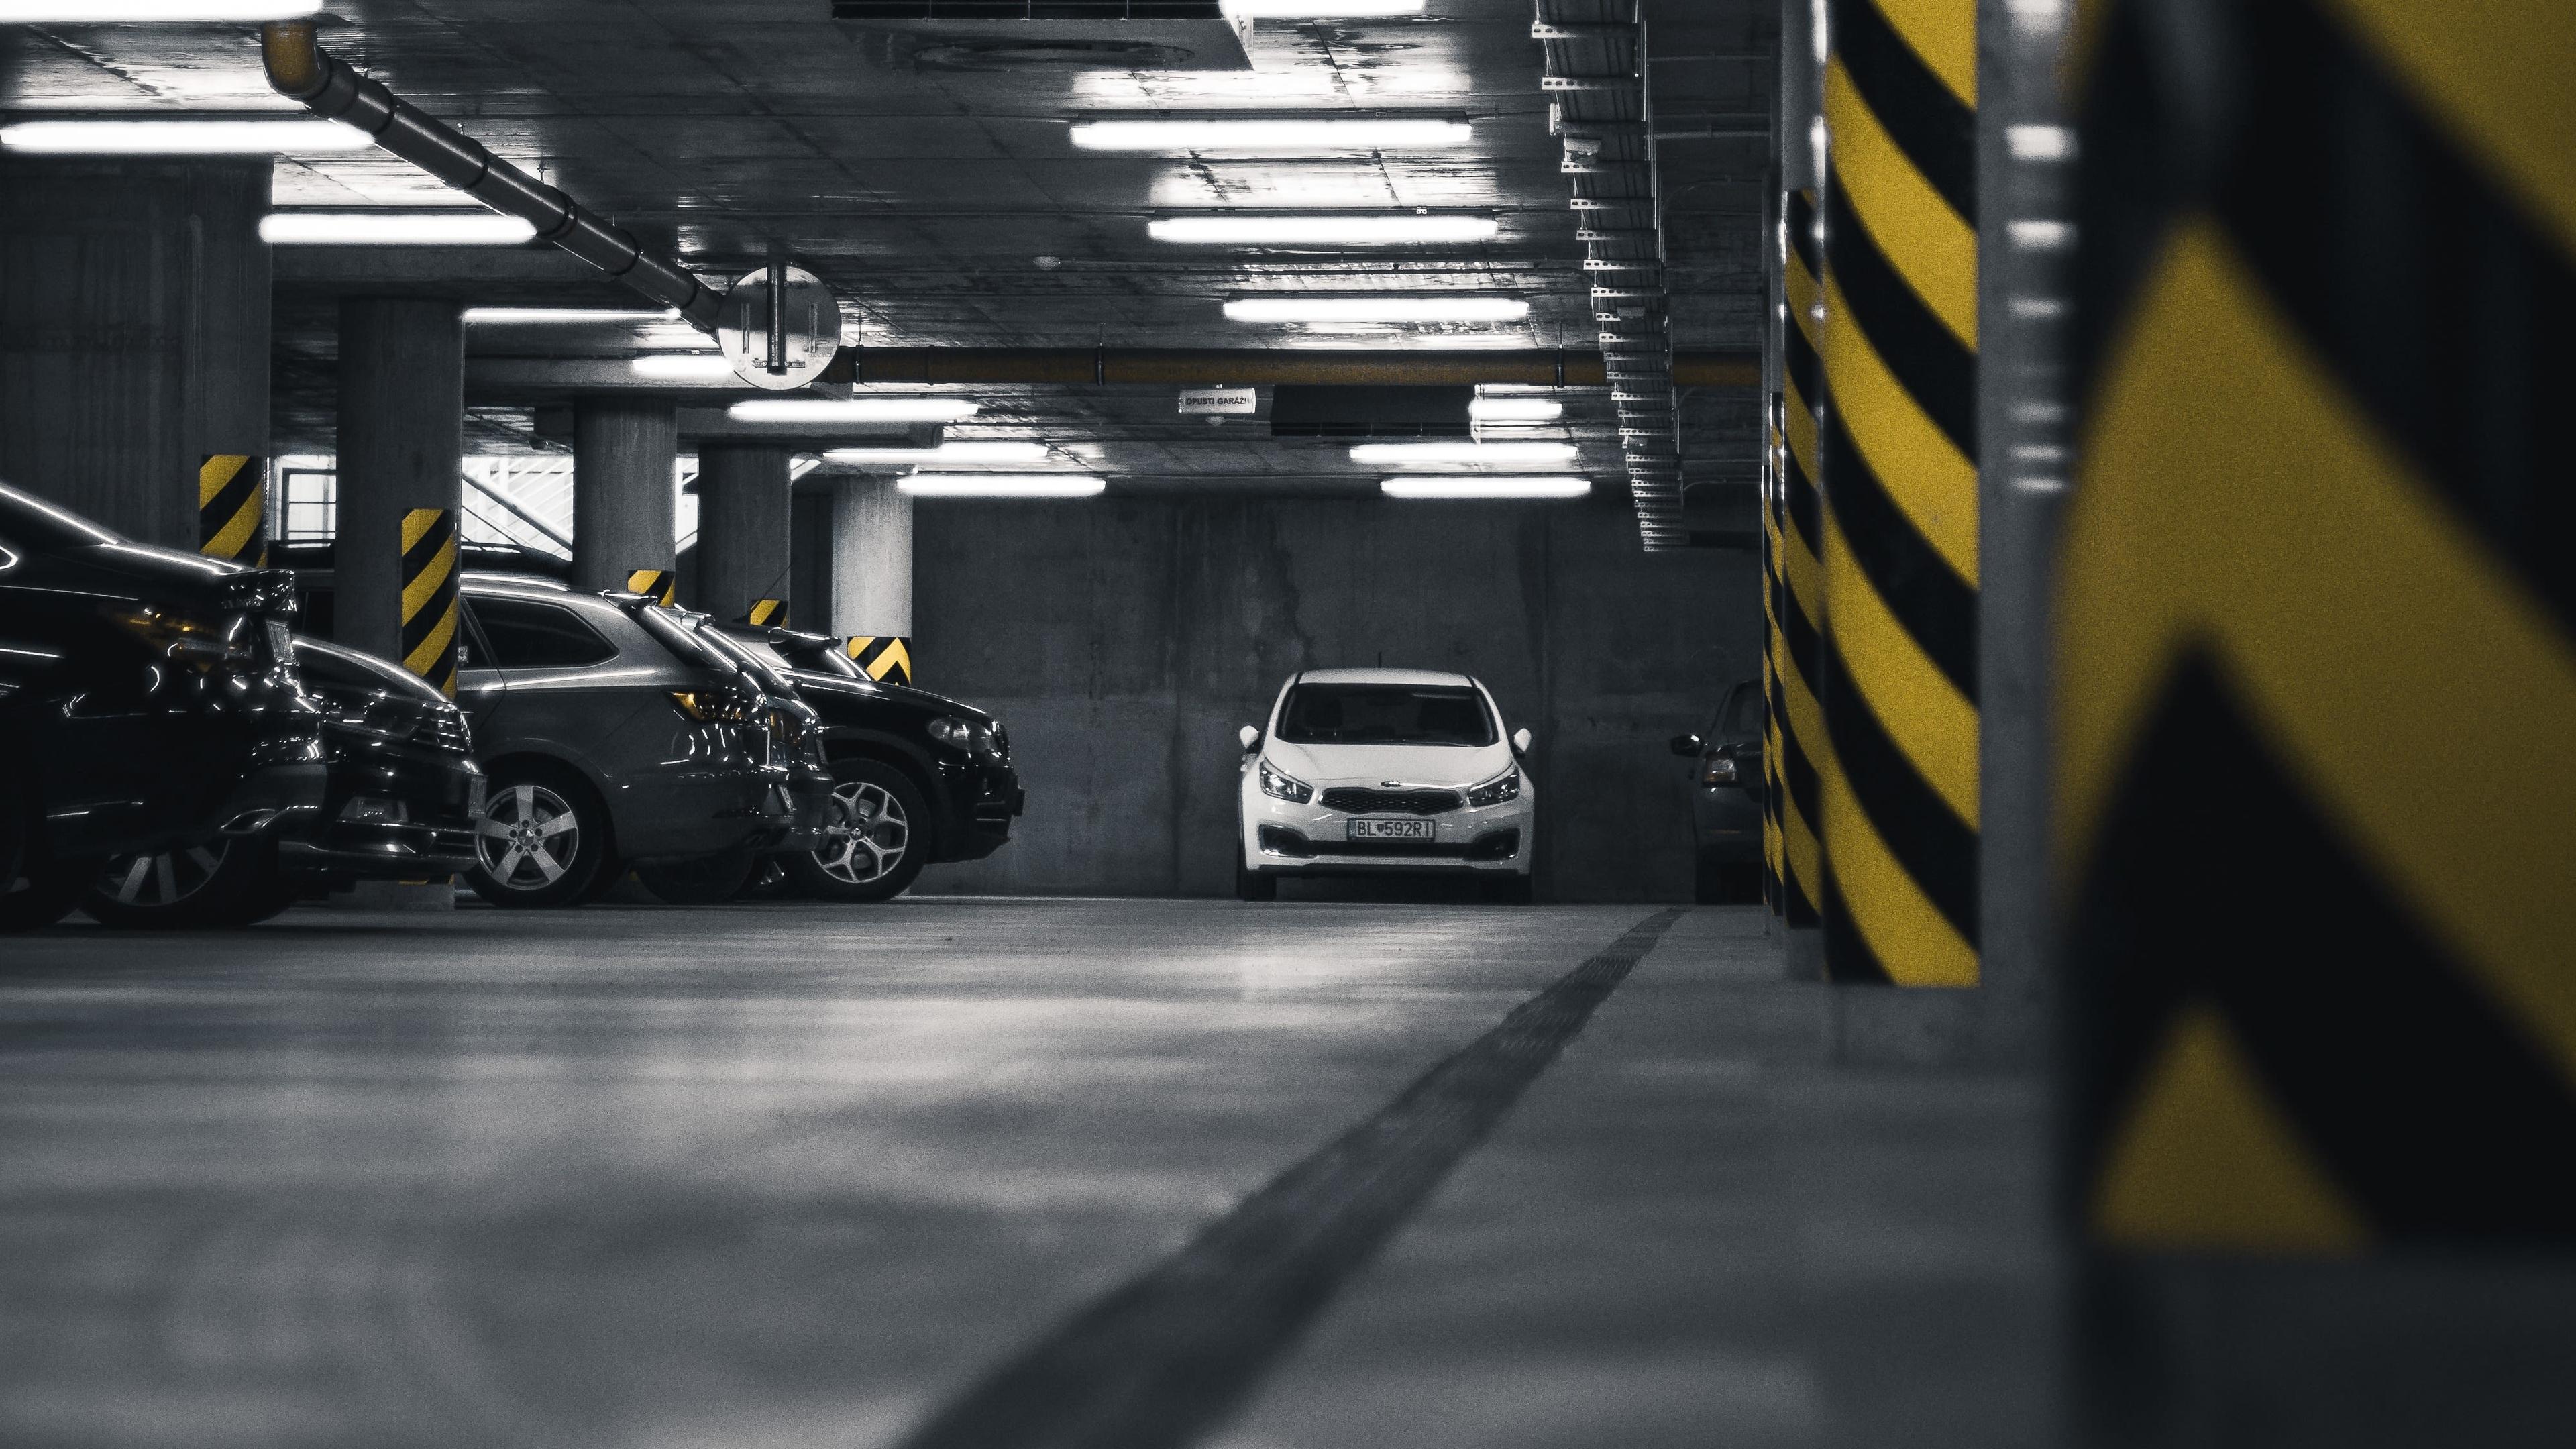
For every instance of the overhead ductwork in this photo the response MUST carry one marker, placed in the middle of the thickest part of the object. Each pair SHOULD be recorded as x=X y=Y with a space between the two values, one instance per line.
x=1601 y=108
x=301 y=70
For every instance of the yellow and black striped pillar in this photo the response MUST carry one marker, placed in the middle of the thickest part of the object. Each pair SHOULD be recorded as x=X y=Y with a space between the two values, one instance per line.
x=2315 y=775
x=1797 y=598
x=765 y=612
x=1898 y=433
x=1773 y=893
x=232 y=508
x=429 y=596
x=662 y=586
x=886 y=657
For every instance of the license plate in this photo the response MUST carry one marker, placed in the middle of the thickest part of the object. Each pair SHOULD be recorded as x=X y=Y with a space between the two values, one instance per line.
x=1391 y=830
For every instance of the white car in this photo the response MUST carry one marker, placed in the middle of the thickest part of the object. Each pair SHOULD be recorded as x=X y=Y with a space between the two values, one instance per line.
x=1384 y=770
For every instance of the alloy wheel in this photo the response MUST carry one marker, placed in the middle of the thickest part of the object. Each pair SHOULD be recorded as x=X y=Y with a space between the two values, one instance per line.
x=148 y=881
x=527 y=837
x=868 y=834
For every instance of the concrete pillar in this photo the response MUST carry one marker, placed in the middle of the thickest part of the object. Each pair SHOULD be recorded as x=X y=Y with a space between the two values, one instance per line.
x=809 y=585
x=402 y=450
x=134 y=332
x=625 y=452
x=1898 y=439
x=1799 y=750
x=743 y=537
x=872 y=559
x=2320 y=1076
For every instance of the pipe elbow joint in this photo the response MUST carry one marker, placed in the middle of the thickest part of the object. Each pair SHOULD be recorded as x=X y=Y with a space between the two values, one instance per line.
x=292 y=58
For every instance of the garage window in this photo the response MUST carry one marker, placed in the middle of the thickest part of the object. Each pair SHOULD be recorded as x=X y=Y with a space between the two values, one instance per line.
x=525 y=634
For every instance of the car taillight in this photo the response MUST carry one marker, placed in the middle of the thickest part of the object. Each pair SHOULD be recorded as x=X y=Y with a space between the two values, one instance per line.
x=710 y=706
x=205 y=645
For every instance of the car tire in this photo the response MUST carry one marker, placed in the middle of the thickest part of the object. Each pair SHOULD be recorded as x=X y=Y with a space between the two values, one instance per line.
x=880 y=836
x=520 y=858
x=709 y=880
x=217 y=884
x=1252 y=885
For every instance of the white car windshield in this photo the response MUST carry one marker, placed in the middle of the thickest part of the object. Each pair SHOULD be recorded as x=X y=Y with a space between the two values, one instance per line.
x=1385 y=714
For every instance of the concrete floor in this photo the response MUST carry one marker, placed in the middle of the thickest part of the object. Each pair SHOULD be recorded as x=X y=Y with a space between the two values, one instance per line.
x=776 y=1176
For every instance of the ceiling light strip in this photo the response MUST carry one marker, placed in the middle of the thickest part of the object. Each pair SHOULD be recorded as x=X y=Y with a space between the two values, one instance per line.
x=1301 y=135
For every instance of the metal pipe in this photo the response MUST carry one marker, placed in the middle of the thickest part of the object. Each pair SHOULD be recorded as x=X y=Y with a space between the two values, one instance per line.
x=299 y=69
x=1245 y=367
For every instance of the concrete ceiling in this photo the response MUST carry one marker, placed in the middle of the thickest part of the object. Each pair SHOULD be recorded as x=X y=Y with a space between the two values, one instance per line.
x=948 y=206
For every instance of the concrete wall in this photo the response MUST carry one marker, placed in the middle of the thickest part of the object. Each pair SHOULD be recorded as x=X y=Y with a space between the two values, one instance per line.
x=1124 y=640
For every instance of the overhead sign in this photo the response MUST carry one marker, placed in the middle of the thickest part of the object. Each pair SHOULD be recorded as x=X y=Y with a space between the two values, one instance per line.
x=1220 y=400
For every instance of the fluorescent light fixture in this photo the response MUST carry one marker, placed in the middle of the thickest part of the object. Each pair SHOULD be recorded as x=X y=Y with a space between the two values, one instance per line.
x=1376 y=309
x=1323 y=229
x=1451 y=455
x=1000 y=485
x=1319 y=9
x=105 y=12
x=1554 y=487
x=157 y=136
x=394 y=229
x=856 y=410
x=1515 y=410
x=995 y=451
x=565 y=316
x=1233 y=133
x=685 y=366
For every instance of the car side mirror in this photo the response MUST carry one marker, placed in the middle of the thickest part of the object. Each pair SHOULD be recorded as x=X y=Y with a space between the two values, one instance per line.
x=1521 y=741
x=1686 y=745
x=1251 y=737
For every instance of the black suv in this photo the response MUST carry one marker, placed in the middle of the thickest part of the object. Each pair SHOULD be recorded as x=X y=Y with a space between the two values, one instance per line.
x=148 y=702
x=919 y=778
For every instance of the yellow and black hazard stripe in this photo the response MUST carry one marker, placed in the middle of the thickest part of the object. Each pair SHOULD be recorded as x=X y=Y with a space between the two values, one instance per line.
x=1898 y=434
x=662 y=586
x=765 y=612
x=2323 y=999
x=429 y=596
x=1795 y=533
x=886 y=657
x=1773 y=894
x=232 y=508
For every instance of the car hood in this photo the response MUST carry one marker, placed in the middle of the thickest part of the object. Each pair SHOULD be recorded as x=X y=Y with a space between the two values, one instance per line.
x=1455 y=766
x=920 y=699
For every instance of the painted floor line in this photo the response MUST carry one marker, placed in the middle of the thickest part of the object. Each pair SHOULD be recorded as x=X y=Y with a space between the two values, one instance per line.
x=1164 y=1359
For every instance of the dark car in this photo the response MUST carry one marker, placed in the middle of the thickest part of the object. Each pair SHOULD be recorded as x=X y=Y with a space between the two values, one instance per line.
x=919 y=778
x=614 y=738
x=400 y=803
x=148 y=702
x=1726 y=798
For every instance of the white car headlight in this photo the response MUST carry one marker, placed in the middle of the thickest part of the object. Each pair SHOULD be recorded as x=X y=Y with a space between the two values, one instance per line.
x=1284 y=787
x=1505 y=786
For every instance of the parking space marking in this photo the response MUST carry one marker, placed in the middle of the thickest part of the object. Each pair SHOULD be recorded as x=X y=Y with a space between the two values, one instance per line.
x=1166 y=1357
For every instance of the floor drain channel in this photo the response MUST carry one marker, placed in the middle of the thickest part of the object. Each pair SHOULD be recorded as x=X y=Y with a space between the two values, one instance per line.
x=1165 y=1357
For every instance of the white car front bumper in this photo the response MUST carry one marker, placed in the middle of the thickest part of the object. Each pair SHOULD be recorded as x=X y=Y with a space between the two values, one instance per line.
x=1279 y=836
